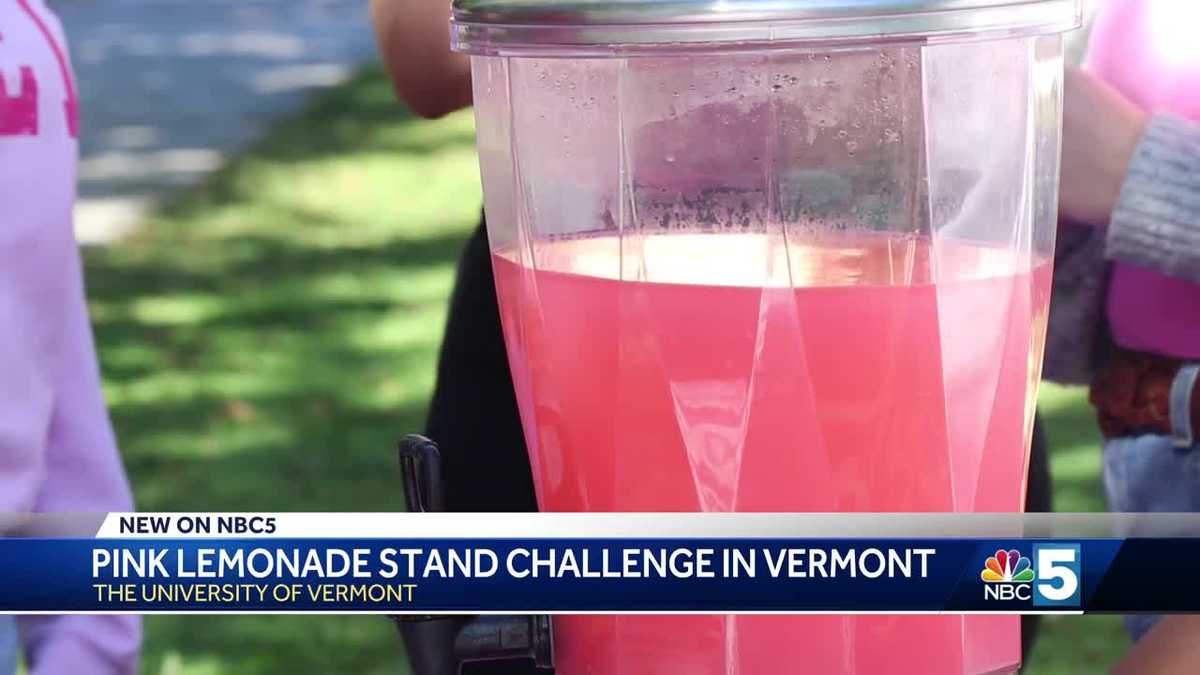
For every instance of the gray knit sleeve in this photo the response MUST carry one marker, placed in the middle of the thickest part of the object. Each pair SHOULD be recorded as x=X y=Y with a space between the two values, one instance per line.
x=1156 y=222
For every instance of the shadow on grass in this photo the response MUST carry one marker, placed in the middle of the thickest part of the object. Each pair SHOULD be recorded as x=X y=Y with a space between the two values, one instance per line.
x=360 y=117
x=266 y=339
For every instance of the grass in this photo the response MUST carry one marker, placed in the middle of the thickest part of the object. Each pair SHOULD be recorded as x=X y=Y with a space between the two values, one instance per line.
x=266 y=337
x=1074 y=644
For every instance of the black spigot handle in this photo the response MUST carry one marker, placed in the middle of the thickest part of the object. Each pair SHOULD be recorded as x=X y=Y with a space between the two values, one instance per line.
x=439 y=645
x=429 y=642
x=421 y=467
x=429 y=639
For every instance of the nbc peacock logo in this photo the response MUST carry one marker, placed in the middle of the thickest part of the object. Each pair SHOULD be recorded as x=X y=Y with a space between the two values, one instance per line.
x=1007 y=575
x=1007 y=566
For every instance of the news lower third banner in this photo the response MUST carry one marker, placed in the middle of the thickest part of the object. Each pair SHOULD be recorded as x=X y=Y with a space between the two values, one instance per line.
x=597 y=563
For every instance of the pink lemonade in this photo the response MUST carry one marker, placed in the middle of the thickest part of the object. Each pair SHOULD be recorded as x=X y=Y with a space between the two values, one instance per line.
x=732 y=372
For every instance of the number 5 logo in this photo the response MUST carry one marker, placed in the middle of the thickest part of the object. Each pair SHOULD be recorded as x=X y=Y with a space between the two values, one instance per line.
x=1057 y=575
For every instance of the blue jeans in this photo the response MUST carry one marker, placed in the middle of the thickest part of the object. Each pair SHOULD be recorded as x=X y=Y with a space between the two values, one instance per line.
x=9 y=646
x=1153 y=473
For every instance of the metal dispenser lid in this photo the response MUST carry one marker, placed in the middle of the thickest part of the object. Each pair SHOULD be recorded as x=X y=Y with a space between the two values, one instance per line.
x=606 y=27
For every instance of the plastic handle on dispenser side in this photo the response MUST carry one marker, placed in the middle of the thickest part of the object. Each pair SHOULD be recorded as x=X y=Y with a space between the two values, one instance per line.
x=439 y=645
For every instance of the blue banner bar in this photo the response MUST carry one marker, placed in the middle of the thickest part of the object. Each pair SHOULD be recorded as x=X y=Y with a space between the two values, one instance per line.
x=716 y=575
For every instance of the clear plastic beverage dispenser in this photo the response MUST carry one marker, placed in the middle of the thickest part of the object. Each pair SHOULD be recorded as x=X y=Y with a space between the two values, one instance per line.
x=773 y=255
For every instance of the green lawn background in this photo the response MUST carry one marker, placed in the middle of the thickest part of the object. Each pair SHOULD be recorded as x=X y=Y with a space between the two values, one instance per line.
x=266 y=338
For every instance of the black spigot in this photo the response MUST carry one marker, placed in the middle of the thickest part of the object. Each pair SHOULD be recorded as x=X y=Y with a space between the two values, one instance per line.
x=487 y=638
x=421 y=469
x=439 y=645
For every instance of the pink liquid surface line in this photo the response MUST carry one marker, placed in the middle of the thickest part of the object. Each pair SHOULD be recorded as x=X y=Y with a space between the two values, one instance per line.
x=855 y=380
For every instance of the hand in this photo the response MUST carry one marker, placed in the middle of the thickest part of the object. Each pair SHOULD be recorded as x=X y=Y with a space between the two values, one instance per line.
x=414 y=41
x=1100 y=133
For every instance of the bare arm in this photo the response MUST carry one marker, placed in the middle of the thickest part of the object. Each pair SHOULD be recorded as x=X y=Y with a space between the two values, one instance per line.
x=414 y=41
x=1135 y=173
x=1100 y=133
x=1170 y=648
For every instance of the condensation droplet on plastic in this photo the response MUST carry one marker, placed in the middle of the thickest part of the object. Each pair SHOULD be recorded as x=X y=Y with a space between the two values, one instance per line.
x=670 y=159
x=891 y=136
x=842 y=134
x=851 y=146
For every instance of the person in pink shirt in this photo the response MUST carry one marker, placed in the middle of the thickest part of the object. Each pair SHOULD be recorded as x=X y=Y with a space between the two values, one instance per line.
x=1125 y=317
x=57 y=451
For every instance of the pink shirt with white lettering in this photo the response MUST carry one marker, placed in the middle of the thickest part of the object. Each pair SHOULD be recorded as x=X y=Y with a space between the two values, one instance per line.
x=1149 y=50
x=57 y=451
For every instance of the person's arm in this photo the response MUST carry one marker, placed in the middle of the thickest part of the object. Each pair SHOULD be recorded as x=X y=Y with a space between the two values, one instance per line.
x=414 y=41
x=1170 y=648
x=1135 y=173
x=83 y=474
x=1156 y=221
